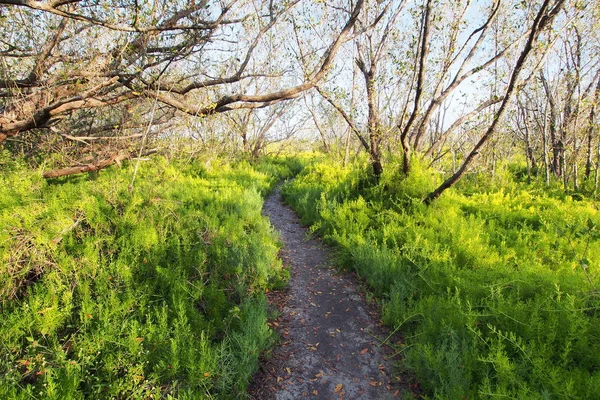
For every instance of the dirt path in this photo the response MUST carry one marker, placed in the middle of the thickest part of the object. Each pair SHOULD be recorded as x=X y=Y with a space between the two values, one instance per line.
x=331 y=337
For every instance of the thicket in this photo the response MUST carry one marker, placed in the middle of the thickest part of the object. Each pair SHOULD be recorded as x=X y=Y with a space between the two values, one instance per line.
x=495 y=286
x=150 y=289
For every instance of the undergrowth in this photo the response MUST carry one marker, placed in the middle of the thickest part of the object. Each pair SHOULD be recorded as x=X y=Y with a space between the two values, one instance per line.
x=150 y=290
x=495 y=287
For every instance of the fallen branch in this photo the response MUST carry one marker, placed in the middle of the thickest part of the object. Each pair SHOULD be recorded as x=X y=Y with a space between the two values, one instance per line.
x=86 y=139
x=92 y=167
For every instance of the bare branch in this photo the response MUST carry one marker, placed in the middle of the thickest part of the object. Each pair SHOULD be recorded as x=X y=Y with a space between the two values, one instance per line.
x=346 y=117
x=543 y=18
x=52 y=8
x=239 y=101
x=96 y=166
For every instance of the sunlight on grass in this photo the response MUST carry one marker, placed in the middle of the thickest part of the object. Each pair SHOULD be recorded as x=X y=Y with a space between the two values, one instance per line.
x=495 y=286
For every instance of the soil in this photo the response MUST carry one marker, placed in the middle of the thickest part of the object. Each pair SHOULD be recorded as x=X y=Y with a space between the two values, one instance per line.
x=331 y=345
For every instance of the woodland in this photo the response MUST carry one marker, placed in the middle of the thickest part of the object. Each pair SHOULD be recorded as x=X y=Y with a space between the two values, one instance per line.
x=447 y=150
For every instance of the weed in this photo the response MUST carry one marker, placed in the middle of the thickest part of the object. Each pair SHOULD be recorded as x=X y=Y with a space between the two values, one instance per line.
x=494 y=286
x=154 y=291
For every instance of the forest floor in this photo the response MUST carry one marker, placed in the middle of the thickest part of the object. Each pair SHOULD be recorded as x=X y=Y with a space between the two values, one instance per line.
x=333 y=344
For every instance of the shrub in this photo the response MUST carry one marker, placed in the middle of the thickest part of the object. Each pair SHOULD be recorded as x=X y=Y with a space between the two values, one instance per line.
x=494 y=286
x=145 y=292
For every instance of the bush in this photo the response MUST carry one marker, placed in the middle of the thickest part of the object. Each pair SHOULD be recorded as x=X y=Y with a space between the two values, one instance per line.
x=494 y=286
x=152 y=292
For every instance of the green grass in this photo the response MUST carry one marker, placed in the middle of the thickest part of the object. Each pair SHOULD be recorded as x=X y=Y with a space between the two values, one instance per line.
x=150 y=291
x=495 y=286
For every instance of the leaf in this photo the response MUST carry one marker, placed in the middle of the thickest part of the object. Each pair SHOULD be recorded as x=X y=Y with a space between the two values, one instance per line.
x=364 y=351
x=373 y=383
x=338 y=388
x=289 y=371
x=590 y=224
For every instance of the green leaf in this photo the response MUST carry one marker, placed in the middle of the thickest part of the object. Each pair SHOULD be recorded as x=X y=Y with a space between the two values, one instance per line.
x=590 y=224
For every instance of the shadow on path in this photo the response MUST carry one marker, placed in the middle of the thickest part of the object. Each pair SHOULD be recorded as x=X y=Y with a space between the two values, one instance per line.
x=331 y=337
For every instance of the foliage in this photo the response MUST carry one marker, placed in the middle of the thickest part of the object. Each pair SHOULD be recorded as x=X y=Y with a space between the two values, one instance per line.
x=495 y=287
x=154 y=290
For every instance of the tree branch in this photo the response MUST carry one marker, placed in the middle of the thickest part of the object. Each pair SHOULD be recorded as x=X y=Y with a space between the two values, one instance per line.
x=240 y=101
x=543 y=18
x=97 y=166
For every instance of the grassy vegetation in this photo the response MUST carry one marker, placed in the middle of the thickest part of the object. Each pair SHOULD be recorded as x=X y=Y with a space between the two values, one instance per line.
x=494 y=286
x=154 y=290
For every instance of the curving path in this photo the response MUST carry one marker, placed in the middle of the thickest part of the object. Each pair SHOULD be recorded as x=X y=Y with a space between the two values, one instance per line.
x=331 y=337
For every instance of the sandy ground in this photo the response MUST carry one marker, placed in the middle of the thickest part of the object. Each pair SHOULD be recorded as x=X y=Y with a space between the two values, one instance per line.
x=331 y=338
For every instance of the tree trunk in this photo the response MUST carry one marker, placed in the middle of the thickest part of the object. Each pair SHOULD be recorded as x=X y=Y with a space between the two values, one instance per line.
x=423 y=51
x=245 y=142
x=369 y=73
x=375 y=154
x=529 y=159
x=597 y=170
x=589 y=159
x=545 y=145
x=347 y=148
x=556 y=147
x=563 y=168
x=590 y=130
x=575 y=177
x=406 y=154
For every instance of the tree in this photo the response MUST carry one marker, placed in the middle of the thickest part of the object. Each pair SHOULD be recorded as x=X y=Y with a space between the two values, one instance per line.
x=193 y=58
x=544 y=17
x=557 y=110
x=371 y=53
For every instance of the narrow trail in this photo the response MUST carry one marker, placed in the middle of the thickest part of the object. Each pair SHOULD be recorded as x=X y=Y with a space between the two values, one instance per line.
x=331 y=336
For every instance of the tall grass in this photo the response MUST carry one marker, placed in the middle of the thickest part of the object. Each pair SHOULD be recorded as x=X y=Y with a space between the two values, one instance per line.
x=495 y=286
x=154 y=290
